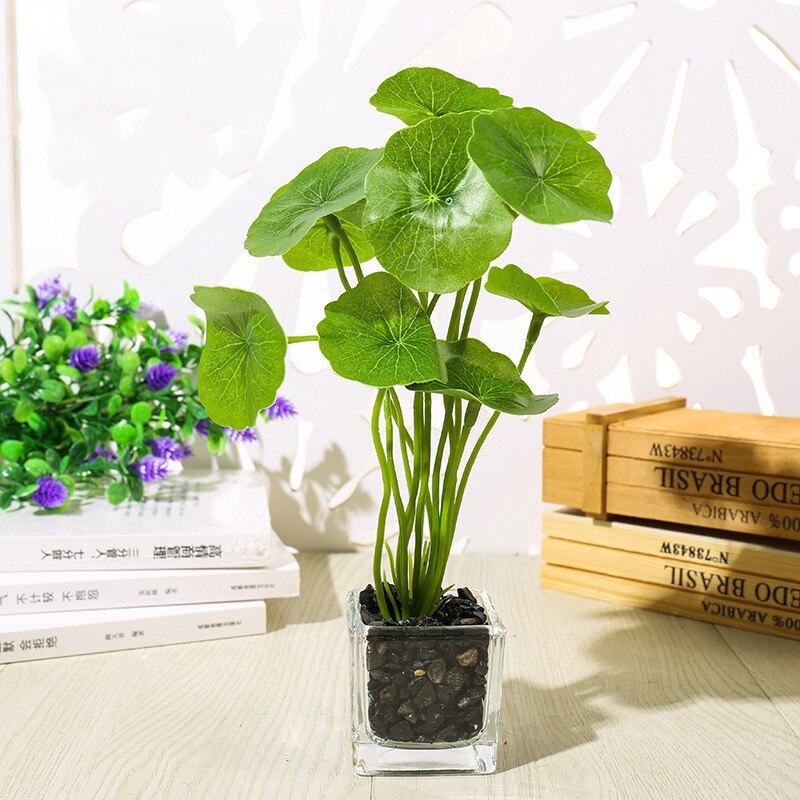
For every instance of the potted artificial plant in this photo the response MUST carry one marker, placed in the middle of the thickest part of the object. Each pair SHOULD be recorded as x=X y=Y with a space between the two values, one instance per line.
x=434 y=207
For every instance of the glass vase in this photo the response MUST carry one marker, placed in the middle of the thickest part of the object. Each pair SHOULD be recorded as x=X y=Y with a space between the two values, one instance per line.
x=425 y=699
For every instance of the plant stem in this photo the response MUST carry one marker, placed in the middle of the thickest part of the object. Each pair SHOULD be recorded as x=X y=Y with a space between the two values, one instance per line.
x=455 y=316
x=298 y=339
x=401 y=555
x=432 y=304
x=473 y=301
x=377 y=576
x=337 y=257
x=333 y=224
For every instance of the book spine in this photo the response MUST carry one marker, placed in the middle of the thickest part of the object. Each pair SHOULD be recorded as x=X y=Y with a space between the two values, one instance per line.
x=681 y=603
x=680 y=546
x=106 y=551
x=67 y=591
x=717 y=513
x=718 y=583
x=176 y=625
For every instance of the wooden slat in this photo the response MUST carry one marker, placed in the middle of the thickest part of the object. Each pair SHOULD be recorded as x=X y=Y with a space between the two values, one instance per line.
x=562 y=476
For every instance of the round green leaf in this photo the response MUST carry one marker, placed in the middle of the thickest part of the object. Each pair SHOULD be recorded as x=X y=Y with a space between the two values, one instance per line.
x=24 y=409
x=37 y=466
x=19 y=358
x=474 y=372
x=117 y=493
x=113 y=405
x=12 y=449
x=546 y=296
x=52 y=391
x=68 y=481
x=313 y=252
x=417 y=93
x=127 y=386
x=328 y=185
x=141 y=412
x=542 y=168
x=53 y=346
x=129 y=362
x=76 y=338
x=378 y=333
x=433 y=220
x=123 y=433
x=242 y=364
x=8 y=371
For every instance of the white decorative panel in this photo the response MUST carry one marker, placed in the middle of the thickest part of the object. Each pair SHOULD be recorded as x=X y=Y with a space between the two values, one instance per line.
x=153 y=132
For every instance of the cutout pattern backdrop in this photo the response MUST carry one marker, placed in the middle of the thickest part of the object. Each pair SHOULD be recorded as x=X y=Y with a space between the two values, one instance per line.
x=151 y=133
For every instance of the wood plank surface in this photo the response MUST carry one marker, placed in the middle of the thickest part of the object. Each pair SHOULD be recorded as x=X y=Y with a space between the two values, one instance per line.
x=599 y=702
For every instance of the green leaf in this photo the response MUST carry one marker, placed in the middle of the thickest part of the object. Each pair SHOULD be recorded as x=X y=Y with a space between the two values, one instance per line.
x=6 y=498
x=136 y=487
x=12 y=449
x=433 y=220
x=77 y=454
x=113 y=405
x=52 y=458
x=60 y=326
x=123 y=433
x=474 y=372
x=587 y=136
x=197 y=322
x=37 y=423
x=328 y=185
x=37 y=466
x=141 y=412
x=242 y=364
x=53 y=346
x=417 y=93
x=68 y=482
x=12 y=472
x=24 y=409
x=542 y=168
x=378 y=333
x=313 y=252
x=52 y=391
x=117 y=493
x=7 y=370
x=25 y=491
x=76 y=338
x=19 y=358
x=129 y=362
x=546 y=296
x=67 y=371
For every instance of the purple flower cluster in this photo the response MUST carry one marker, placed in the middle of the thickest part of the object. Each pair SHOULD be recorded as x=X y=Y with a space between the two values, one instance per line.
x=48 y=290
x=50 y=493
x=151 y=468
x=201 y=428
x=103 y=452
x=244 y=435
x=84 y=358
x=179 y=340
x=166 y=447
x=282 y=408
x=67 y=307
x=159 y=376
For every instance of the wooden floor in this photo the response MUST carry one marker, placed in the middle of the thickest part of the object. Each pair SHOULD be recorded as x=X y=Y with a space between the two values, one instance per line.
x=599 y=702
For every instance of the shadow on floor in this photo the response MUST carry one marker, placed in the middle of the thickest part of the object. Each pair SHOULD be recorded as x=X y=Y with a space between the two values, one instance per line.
x=320 y=605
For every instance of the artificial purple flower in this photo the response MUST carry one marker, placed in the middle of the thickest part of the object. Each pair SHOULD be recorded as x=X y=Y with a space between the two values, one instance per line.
x=146 y=310
x=103 y=452
x=178 y=339
x=201 y=428
x=48 y=290
x=159 y=376
x=151 y=468
x=84 y=358
x=166 y=447
x=68 y=307
x=281 y=409
x=50 y=494
x=244 y=435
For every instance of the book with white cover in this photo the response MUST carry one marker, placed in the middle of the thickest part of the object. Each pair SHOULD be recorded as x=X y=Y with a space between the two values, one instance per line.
x=29 y=637
x=194 y=519
x=74 y=590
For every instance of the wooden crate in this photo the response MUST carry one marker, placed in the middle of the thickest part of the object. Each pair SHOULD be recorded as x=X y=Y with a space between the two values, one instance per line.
x=662 y=461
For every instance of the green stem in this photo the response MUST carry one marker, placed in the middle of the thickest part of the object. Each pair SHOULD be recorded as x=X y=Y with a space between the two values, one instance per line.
x=473 y=301
x=432 y=304
x=298 y=339
x=333 y=224
x=455 y=316
x=337 y=257
x=401 y=555
x=377 y=575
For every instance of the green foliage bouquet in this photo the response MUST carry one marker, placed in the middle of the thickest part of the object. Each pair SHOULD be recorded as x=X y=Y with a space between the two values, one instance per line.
x=97 y=397
x=435 y=207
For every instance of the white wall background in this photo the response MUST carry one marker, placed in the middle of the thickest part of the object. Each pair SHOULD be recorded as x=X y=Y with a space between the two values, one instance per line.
x=151 y=132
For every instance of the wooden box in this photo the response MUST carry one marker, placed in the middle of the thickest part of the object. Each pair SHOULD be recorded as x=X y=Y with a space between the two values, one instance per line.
x=662 y=461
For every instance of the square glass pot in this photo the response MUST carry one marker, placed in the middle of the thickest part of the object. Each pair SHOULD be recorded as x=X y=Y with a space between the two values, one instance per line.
x=425 y=699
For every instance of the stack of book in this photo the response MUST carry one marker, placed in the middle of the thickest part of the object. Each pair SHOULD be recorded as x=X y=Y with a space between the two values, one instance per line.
x=690 y=512
x=195 y=561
